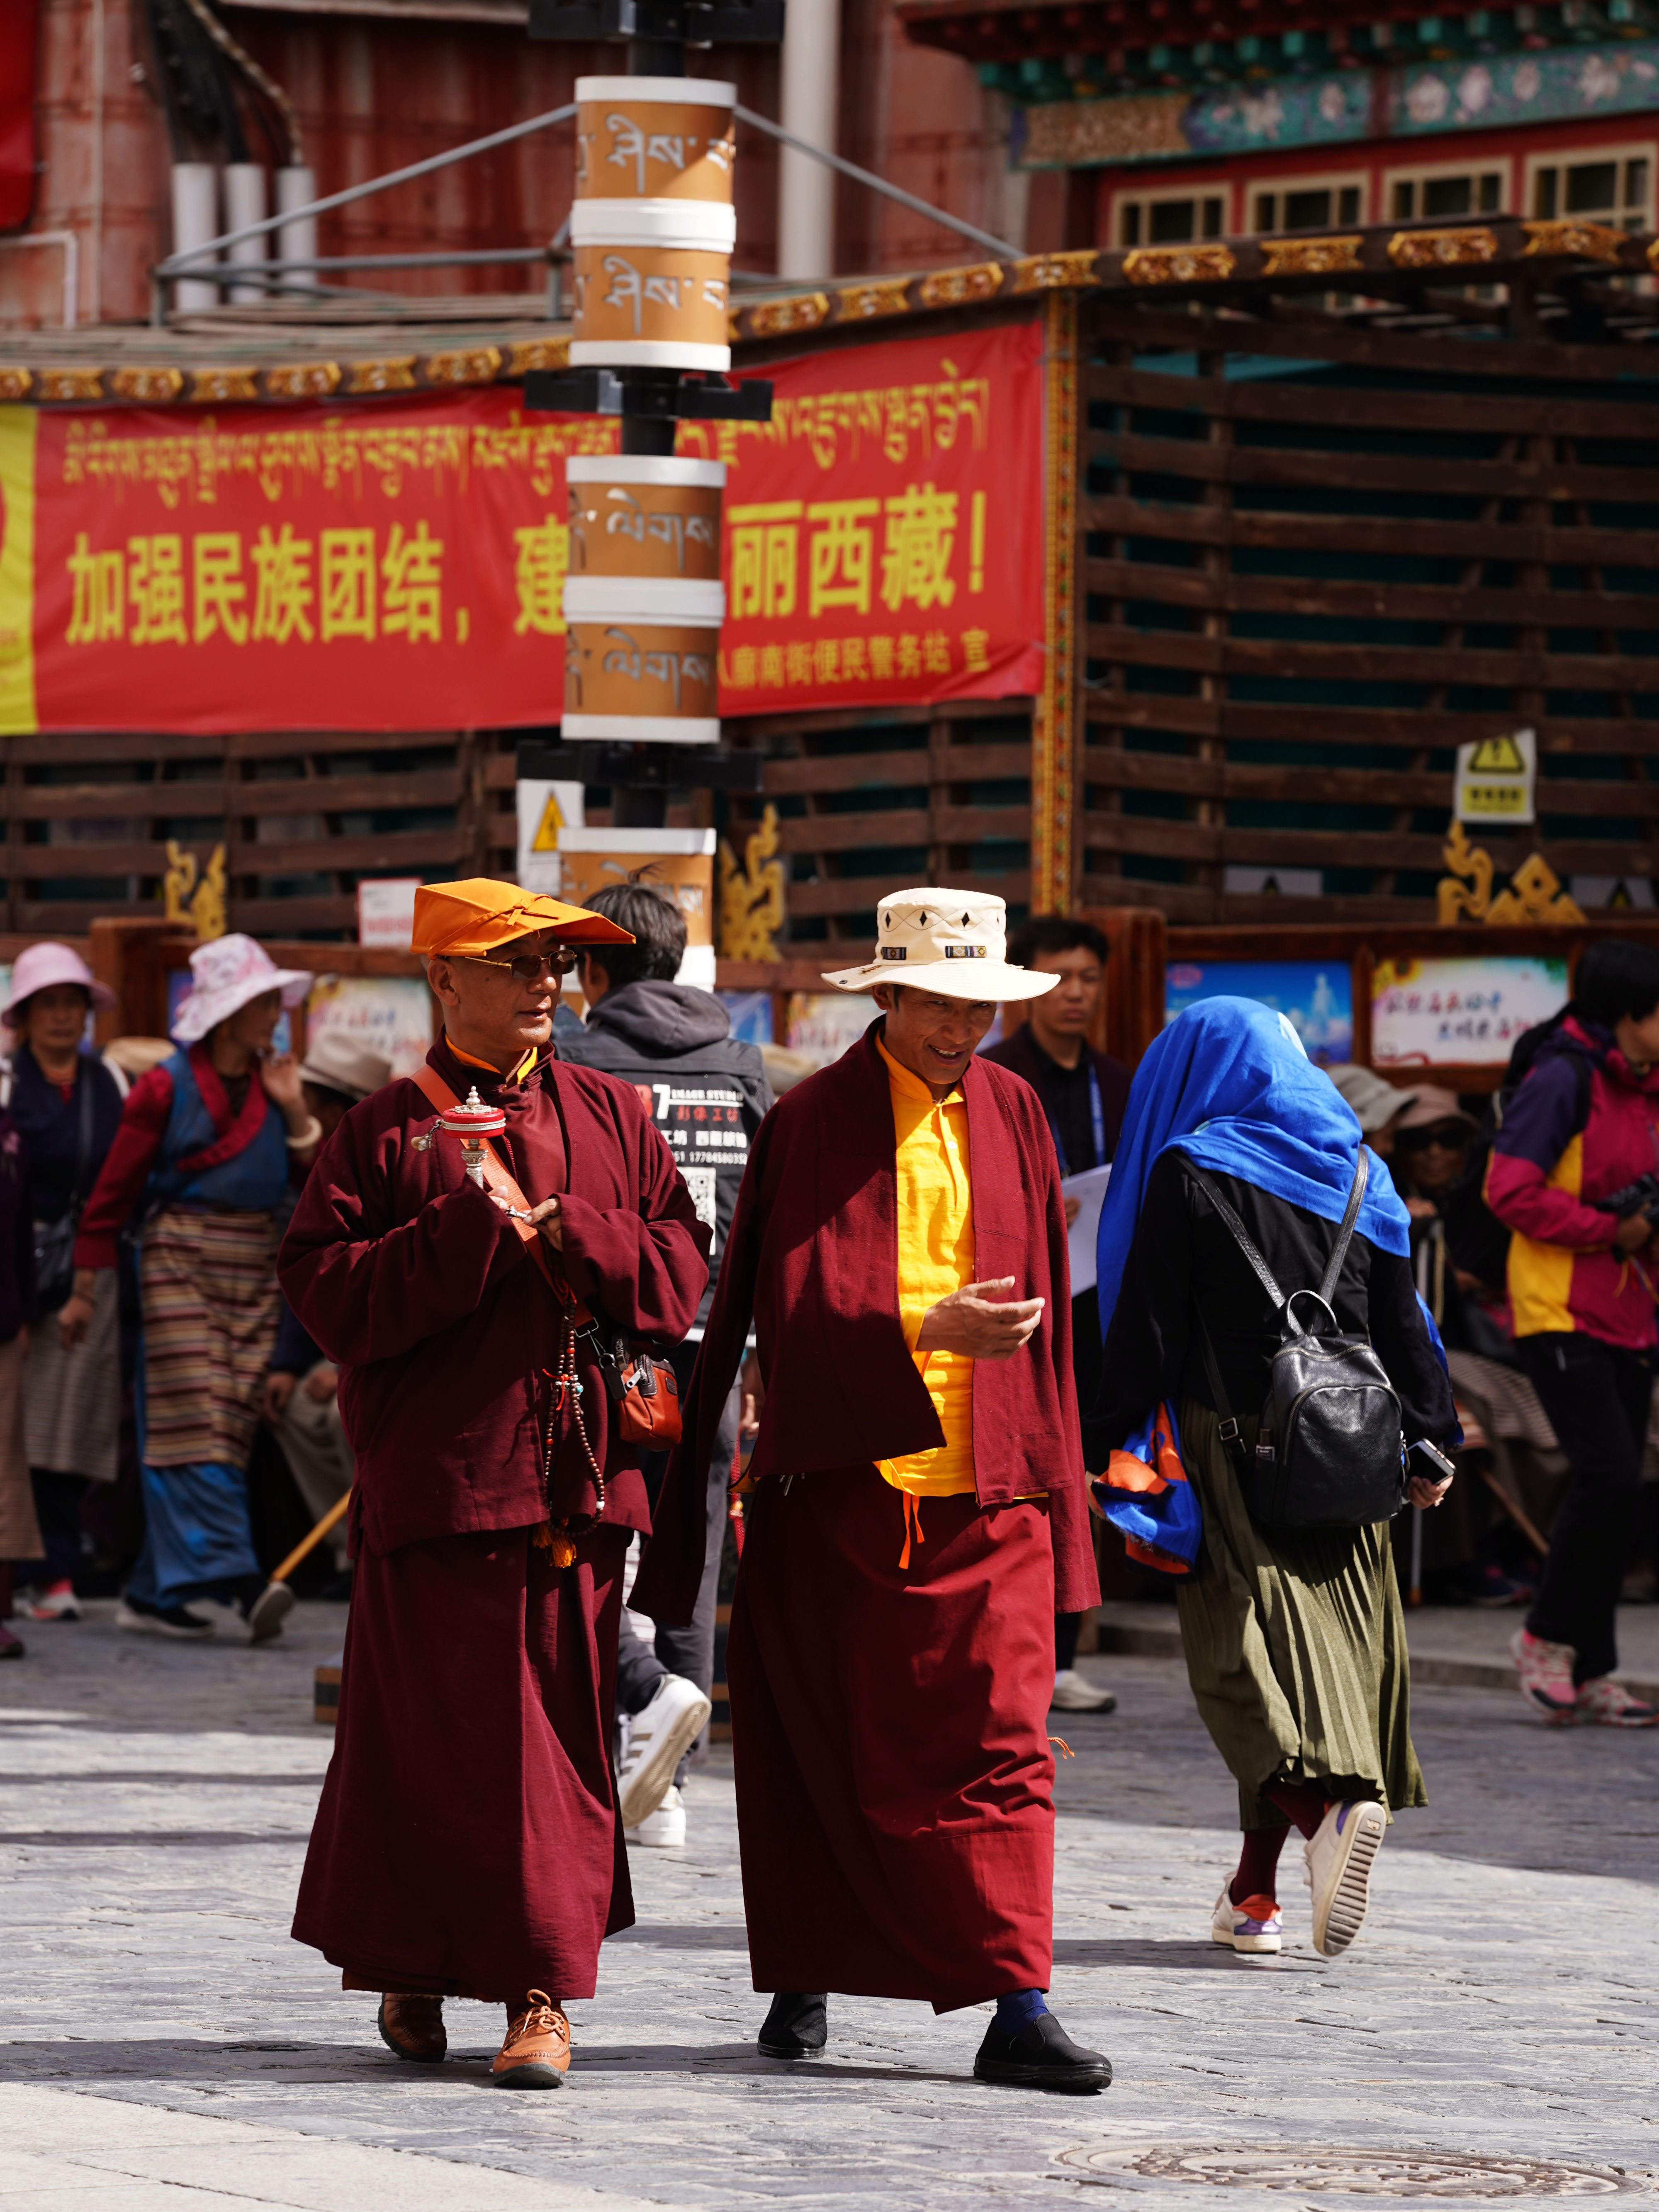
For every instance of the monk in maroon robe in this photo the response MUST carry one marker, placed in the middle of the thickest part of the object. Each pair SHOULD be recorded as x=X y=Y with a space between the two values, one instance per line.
x=468 y=1842
x=919 y=1512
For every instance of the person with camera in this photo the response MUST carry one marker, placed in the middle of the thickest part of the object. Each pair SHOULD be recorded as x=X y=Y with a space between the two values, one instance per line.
x=1572 y=1174
x=1251 y=1251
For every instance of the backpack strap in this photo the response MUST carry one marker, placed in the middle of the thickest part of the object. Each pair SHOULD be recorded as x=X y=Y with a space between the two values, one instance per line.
x=1232 y=1440
x=1345 y=1234
x=1241 y=1234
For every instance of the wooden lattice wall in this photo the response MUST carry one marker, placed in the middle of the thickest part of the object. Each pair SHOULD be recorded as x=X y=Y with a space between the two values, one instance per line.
x=1316 y=559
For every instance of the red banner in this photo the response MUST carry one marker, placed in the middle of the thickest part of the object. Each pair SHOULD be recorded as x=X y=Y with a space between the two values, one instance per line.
x=400 y=565
x=883 y=532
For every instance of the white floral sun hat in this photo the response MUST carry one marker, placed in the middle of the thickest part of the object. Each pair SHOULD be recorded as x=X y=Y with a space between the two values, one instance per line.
x=952 y=942
x=225 y=975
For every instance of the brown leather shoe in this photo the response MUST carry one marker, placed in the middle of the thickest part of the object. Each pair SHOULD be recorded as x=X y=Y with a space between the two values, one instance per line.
x=413 y=2027
x=536 y=2054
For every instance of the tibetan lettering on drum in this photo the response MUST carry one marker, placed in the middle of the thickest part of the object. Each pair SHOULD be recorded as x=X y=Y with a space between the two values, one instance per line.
x=649 y=306
x=632 y=680
x=661 y=137
x=638 y=515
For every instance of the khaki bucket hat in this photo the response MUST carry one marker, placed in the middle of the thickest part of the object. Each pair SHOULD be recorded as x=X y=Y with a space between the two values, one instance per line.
x=952 y=942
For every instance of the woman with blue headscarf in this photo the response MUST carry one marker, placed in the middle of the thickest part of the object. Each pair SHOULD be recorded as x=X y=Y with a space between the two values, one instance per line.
x=1294 y=1637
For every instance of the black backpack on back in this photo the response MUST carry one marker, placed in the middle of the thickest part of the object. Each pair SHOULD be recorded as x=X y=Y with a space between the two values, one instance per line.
x=1330 y=1453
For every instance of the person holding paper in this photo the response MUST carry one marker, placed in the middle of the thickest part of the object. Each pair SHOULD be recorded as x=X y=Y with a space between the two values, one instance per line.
x=1084 y=1092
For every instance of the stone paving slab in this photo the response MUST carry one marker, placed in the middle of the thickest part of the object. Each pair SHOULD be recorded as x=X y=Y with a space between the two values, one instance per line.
x=1495 y=2011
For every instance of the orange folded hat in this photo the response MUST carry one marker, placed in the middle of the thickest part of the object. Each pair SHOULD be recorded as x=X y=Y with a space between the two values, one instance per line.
x=479 y=915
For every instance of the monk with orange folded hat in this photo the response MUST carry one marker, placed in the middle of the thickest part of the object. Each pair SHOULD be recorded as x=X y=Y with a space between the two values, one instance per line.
x=468 y=1842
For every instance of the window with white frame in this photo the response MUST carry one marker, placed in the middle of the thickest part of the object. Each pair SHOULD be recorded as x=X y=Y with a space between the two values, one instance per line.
x=1171 y=217
x=1446 y=193
x=1307 y=202
x=1609 y=184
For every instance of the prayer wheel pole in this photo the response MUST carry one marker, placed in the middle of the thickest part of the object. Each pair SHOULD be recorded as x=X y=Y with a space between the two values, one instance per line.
x=652 y=230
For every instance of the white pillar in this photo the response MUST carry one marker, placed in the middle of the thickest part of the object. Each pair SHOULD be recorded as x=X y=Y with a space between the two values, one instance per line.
x=195 y=221
x=245 y=203
x=807 y=188
x=296 y=187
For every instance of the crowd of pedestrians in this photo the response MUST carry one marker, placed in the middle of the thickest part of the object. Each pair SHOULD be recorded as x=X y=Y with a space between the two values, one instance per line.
x=1318 y=1298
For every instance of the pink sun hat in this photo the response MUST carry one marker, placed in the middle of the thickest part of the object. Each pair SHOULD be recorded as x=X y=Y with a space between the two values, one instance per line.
x=225 y=974
x=42 y=966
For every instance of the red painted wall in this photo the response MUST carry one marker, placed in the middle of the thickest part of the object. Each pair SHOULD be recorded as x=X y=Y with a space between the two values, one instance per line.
x=20 y=35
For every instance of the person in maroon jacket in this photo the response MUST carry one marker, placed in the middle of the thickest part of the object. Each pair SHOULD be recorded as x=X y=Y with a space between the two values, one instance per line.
x=919 y=1510
x=468 y=1841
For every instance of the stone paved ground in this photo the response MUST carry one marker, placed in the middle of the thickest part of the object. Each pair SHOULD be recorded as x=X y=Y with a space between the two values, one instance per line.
x=164 y=2048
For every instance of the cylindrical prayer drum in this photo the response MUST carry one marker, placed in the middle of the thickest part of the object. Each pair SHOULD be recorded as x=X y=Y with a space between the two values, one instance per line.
x=667 y=137
x=642 y=681
x=636 y=515
x=649 y=306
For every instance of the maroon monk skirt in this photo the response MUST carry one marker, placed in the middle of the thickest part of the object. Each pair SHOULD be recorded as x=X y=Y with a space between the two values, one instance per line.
x=468 y=1841
x=890 y=1728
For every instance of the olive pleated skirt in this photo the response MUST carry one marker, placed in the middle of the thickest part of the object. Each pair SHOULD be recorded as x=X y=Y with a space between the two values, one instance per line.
x=1295 y=1645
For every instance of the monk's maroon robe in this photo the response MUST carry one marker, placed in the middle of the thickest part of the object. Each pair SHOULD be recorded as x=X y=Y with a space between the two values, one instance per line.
x=895 y=1804
x=467 y=1840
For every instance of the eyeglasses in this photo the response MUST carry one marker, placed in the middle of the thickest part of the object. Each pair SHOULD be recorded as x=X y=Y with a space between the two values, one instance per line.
x=530 y=967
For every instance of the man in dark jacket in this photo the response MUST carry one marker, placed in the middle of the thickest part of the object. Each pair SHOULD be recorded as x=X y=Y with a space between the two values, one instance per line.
x=708 y=1094
x=1084 y=1093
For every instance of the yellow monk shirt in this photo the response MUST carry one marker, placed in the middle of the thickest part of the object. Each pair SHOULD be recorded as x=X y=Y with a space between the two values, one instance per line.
x=935 y=1257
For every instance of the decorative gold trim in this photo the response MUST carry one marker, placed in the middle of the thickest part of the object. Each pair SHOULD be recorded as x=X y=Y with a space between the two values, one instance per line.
x=950 y=288
x=751 y=897
x=15 y=383
x=1050 y=272
x=1310 y=256
x=1436 y=249
x=303 y=379
x=72 y=384
x=1535 y=893
x=394 y=374
x=1585 y=241
x=538 y=352
x=1054 y=734
x=773 y=318
x=885 y=296
x=223 y=386
x=1180 y=265
x=465 y=365
x=152 y=387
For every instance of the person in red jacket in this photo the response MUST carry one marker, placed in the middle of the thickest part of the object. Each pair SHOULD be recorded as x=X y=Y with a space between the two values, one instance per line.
x=468 y=1842
x=1567 y=1175
x=919 y=1512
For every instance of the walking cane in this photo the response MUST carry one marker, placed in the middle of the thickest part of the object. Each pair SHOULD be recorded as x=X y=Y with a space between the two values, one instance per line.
x=276 y=1601
x=1414 y=1593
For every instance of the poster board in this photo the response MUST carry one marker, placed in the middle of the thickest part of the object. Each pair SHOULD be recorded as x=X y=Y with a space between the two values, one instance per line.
x=1463 y=1012
x=1315 y=996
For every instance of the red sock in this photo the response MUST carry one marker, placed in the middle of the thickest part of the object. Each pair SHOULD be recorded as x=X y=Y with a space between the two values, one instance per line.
x=1302 y=1803
x=1258 y=1863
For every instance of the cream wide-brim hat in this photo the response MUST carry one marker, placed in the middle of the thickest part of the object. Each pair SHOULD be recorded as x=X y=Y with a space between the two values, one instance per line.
x=955 y=943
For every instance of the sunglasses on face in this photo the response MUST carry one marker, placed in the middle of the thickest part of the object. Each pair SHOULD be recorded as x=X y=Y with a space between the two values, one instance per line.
x=530 y=967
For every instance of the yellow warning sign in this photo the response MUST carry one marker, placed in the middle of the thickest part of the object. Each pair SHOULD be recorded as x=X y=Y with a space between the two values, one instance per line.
x=1497 y=756
x=546 y=839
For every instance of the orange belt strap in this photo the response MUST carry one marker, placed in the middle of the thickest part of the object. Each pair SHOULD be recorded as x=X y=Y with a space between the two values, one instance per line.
x=497 y=1174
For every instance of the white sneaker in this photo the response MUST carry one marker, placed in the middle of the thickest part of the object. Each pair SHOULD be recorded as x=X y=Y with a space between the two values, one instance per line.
x=658 y=1739
x=1075 y=1693
x=665 y=1829
x=1339 y=1856
x=1256 y=1925
x=49 y=1605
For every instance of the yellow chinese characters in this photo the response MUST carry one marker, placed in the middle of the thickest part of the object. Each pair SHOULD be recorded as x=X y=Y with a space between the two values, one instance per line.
x=919 y=538
x=166 y=588
x=813 y=663
x=542 y=557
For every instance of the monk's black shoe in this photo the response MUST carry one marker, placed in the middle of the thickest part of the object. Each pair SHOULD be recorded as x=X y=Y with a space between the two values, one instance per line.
x=1040 y=2056
x=797 y=2026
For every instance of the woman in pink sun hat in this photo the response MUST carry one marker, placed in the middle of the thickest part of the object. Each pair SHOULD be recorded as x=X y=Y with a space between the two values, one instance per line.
x=209 y=1143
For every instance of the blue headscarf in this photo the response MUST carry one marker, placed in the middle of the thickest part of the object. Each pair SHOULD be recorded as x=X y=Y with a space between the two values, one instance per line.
x=1229 y=1084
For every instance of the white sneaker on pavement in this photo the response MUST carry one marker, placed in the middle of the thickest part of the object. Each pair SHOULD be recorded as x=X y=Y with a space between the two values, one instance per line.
x=1256 y=1925
x=1339 y=1856
x=59 y=1603
x=665 y=1829
x=1075 y=1693
x=658 y=1739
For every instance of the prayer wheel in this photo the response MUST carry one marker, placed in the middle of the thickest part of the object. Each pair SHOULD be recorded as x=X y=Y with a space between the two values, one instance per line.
x=651 y=232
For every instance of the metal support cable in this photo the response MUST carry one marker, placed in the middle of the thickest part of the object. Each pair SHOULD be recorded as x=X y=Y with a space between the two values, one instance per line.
x=877 y=184
x=189 y=263
x=251 y=69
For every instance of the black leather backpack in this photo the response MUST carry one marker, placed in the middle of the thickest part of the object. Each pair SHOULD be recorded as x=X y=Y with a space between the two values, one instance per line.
x=1330 y=1453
